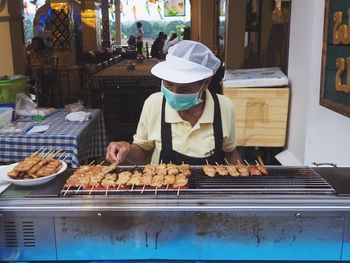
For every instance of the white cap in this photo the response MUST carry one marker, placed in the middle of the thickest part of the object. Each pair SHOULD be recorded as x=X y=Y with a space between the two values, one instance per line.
x=187 y=61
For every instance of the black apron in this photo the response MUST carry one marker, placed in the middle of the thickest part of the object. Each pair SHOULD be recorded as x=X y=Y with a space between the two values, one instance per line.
x=167 y=154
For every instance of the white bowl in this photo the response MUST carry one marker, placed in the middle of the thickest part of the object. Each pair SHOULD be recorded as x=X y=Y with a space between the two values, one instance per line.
x=29 y=182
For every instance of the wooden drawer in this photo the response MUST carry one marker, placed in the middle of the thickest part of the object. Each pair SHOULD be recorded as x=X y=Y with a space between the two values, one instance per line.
x=261 y=115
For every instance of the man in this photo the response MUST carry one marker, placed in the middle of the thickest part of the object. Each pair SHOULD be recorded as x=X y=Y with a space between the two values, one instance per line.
x=157 y=46
x=139 y=38
x=184 y=123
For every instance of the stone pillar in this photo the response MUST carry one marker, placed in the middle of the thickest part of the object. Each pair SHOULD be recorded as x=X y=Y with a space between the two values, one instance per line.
x=11 y=44
x=235 y=33
x=91 y=25
x=106 y=41
x=118 y=28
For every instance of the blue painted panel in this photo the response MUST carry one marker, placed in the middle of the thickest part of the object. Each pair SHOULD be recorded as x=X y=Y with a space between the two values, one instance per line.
x=346 y=246
x=193 y=236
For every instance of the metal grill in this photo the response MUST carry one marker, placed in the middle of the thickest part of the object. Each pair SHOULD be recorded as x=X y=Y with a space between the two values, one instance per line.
x=281 y=180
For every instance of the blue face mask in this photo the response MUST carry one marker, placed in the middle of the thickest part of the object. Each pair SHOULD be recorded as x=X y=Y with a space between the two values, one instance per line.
x=181 y=101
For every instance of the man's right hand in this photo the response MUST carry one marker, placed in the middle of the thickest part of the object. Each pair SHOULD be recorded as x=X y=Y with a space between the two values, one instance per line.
x=117 y=151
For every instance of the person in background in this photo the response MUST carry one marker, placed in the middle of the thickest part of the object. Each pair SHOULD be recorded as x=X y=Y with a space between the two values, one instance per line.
x=174 y=39
x=184 y=123
x=187 y=33
x=139 y=38
x=157 y=46
x=132 y=42
x=37 y=54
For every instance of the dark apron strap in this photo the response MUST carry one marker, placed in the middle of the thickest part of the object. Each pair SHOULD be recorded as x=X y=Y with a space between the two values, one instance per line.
x=166 y=135
x=217 y=125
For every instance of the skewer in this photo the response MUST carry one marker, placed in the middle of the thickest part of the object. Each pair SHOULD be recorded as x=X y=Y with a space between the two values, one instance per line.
x=61 y=156
x=132 y=187
x=36 y=152
x=257 y=164
x=65 y=157
x=118 y=187
x=260 y=161
x=53 y=156
x=227 y=162
x=207 y=161
x=155 y=192
x=41 y=153
x=167 y=186
x=80 y=186
x=217 y=163
x=66 y=190
x=106 y=191
x=46 y=155
x=91 y=163
x=143 y=188
x=246 y=162
x=101 y=162
x=178 y=191
x=92 y=188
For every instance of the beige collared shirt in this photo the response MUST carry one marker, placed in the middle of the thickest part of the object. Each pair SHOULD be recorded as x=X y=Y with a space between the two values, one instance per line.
x=197 y=141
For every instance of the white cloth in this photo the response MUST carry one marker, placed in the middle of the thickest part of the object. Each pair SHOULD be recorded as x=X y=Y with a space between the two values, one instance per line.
x=78 y=116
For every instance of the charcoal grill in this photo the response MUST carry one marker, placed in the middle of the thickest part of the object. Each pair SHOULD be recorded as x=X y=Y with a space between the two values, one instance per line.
x=290 y=180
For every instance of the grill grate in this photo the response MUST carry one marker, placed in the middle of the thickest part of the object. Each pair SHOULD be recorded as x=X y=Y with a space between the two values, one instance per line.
x=281 y=180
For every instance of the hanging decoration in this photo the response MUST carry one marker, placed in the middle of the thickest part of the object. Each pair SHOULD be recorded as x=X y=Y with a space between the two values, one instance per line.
x=122 y=9
x=159 y=10
x=174 y=8
x=147 y=8
x=152 y=1
x=134 y=11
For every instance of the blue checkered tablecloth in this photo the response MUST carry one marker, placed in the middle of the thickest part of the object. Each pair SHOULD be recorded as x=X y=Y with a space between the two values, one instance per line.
x=80 y=141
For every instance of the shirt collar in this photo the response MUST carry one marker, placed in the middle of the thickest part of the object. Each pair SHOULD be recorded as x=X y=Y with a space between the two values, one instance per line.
x=172 y=116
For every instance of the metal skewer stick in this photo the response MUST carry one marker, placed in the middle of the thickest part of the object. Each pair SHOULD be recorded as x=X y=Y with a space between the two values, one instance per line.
x=66 y=190
x=92 y=188
x=143 y=188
